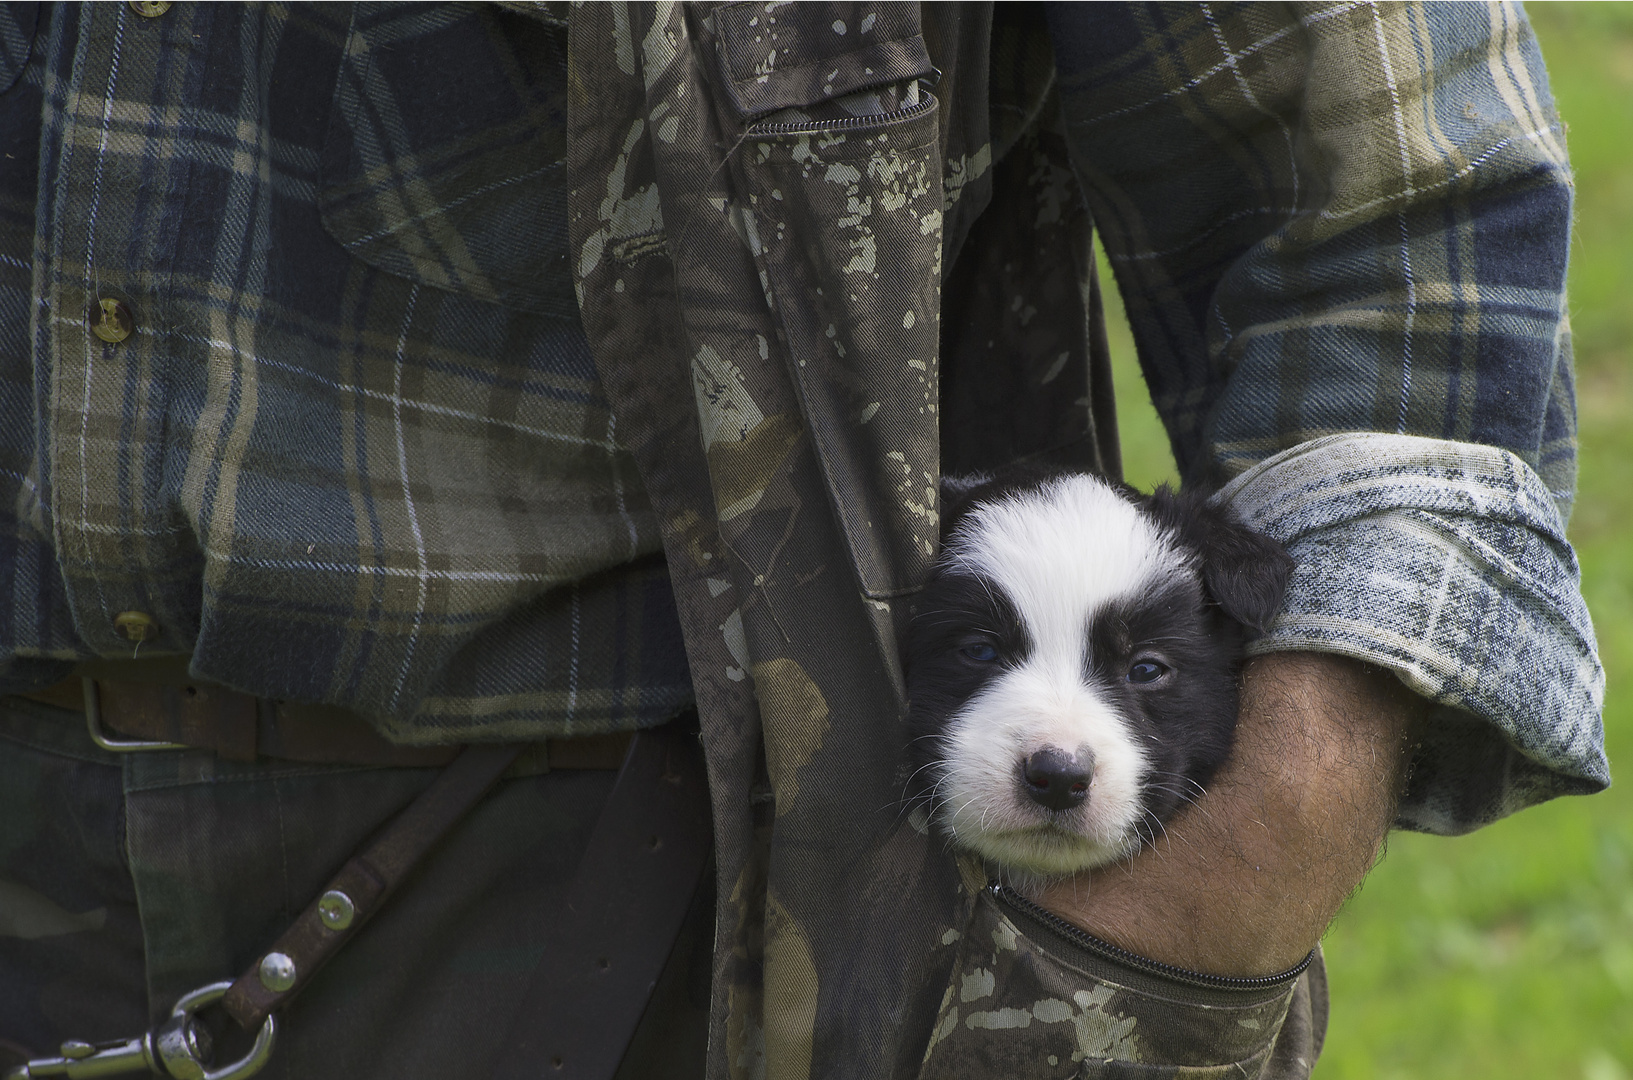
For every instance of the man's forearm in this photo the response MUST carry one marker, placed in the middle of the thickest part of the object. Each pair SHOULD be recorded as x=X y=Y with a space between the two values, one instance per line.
x=1245 y=881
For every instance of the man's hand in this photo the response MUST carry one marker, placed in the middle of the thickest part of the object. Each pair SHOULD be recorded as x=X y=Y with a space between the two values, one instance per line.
x=1244 y=882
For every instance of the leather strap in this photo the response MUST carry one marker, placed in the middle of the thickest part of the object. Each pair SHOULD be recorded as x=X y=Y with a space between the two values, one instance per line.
x=365 y=883
x=605 y=947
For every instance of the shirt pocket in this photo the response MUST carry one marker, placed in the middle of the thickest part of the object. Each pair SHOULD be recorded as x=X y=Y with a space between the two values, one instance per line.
x=841 y=175
x=444 y=160
x=17 y=24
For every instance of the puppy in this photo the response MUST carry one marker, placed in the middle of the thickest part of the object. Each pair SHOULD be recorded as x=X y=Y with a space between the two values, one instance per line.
x=1072 y=669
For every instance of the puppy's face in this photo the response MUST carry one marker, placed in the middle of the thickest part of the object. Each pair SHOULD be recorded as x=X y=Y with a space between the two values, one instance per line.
x=1071 y=679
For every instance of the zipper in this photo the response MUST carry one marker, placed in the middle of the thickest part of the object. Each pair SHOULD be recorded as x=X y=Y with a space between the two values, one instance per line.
x=1107 y=951
x=814 y=127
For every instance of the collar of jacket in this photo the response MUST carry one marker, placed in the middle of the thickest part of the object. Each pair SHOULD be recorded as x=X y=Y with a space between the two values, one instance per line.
x=763 y=299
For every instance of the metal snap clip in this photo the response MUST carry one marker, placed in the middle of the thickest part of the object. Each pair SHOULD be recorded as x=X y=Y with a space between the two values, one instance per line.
x=176 y=1049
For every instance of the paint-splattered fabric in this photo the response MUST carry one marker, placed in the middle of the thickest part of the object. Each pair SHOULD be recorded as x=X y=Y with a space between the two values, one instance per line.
x=359 y=445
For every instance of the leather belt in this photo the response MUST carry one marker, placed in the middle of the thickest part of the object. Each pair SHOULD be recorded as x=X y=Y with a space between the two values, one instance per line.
x=156 y=700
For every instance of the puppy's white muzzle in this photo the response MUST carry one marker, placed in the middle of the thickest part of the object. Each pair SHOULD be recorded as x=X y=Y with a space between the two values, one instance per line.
x=1016 y=755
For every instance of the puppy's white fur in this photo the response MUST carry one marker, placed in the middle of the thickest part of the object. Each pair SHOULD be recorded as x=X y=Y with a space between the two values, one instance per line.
x=1060 y=553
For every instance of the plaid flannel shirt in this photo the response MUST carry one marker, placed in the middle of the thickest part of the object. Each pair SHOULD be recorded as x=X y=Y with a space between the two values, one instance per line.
x=326 y=460
x=339 y=458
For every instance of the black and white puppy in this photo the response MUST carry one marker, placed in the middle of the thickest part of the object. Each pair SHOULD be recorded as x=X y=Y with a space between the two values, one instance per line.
x=1072 y=669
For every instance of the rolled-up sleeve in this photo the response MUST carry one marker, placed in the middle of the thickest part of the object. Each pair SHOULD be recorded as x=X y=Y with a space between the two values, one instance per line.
x=1447 y=563
x=1341 y=232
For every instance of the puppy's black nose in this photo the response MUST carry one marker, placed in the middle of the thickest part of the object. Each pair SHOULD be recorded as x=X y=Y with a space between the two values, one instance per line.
x=1057 y=779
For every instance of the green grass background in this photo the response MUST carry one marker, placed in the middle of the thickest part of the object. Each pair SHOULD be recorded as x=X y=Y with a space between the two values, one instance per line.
x=1509 y=953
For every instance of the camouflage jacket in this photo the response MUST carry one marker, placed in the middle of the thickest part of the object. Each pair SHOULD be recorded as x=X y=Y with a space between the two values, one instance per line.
x=762 y=286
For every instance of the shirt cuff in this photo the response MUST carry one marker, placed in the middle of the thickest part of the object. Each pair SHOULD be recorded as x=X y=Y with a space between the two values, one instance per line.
x=1446 y=563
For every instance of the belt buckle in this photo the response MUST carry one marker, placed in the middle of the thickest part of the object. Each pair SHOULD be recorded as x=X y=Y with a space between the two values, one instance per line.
x=93 y=723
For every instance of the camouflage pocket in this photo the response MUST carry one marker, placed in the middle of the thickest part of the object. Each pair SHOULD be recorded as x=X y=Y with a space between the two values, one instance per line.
x=791 y=56
x=1027 y=1000
x=847 y=225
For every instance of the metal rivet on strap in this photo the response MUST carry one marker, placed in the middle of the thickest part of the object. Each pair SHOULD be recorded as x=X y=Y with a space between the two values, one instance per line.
x=111 y=320
x=277 y=972
x=336 y=910
x=150 y=9
x=135 y=626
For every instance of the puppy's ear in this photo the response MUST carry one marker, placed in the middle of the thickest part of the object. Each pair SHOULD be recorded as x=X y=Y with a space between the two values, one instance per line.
x=1244 y=572
x=955 y=497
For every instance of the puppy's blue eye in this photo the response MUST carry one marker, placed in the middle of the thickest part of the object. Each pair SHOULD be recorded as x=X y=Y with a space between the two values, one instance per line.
x=1145 y=671
x=983 y=651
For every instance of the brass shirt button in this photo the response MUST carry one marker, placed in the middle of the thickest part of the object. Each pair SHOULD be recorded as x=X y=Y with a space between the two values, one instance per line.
x=111 y=320
x=137 y=626
x=150 y=9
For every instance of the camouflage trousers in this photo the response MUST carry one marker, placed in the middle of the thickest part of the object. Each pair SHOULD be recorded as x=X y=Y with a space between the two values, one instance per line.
x=128 y=880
